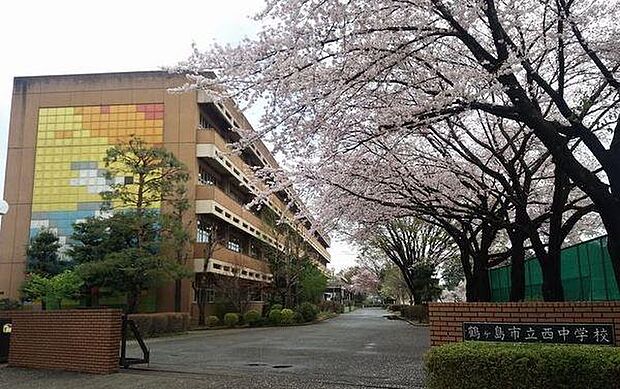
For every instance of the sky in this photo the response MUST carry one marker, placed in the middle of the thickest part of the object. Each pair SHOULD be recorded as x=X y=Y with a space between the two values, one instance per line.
x=69 y=37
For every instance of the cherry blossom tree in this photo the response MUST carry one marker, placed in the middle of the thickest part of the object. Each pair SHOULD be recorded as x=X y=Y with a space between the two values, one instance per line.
x=364 y=282
x=542 y=204
x=354 y=92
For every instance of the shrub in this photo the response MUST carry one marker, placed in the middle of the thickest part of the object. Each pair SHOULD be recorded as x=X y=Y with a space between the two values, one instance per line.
x=252 y=317
x=396 y=307
x=298 y=318
x=157 y=324
x=331 y=306
x=415 y=312
x=275 y=316
x=276 y=306
x=288 y=316
x=213 y=321
x=262 y=321
x=308 y=311
x=9 y=304
x=520 y=366
x=231 y=319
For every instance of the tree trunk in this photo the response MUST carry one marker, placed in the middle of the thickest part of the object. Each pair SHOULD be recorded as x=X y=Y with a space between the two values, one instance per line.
x=517 y=268
x=483 y=286
x=201 y=315
x=132 y=301
x=95 y=296
x=177 y=295
x=552 y=289
x=478 y=287
x=611 y=220
x=550 y=263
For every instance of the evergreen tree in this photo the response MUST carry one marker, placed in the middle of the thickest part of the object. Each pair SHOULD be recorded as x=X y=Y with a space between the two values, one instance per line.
x=131 y=251
x=42 y=255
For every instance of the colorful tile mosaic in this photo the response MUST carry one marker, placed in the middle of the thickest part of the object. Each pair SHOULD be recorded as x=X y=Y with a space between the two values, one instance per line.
x=69 y=171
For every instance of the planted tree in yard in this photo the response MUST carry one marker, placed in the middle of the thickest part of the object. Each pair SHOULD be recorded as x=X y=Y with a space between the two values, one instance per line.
x=95 y=238
x=149 y=175
x=417 y=249
x=288 y=264
x=394 y=287
x=349 y=97
x=139 y=256
x=175 y=233
x=212 y=241
x=235 y=292
x=53 y=289
x=132 y=271
x=313 y=284
x=425 y=283
x=42 y=255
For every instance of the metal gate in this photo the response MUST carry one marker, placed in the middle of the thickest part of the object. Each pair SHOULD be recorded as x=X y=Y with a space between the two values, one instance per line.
x=5 y=338
x=125 y=361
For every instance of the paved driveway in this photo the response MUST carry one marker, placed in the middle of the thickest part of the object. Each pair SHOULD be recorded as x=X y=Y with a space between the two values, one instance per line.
x=359 y=349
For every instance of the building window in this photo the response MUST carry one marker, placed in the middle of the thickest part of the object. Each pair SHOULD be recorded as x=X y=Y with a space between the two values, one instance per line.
x=205 y=177
x=237 y=195
x=234 y=243
x=204 y=123
x=254 y=250
x=203 y=230
x=208 y=295
x=255 y=295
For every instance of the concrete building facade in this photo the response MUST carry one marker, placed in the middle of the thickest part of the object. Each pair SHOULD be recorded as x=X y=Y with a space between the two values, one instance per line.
x=60 y=129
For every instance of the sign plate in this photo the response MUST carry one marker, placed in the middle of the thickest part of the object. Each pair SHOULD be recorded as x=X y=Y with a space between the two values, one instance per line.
x=601 y=334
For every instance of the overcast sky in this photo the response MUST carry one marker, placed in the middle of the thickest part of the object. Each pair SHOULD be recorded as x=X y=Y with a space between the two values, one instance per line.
x=65 y=37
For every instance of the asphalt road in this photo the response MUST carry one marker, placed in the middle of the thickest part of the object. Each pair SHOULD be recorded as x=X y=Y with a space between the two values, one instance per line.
x=355 y=350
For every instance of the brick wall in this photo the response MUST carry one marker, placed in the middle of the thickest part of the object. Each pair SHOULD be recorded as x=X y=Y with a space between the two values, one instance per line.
x=446 y=319
x=75 y=340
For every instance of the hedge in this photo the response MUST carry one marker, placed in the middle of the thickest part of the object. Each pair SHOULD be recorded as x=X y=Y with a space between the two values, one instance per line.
x=519 y=366
x=418 y=313
x=331 y=306
x=157 y=324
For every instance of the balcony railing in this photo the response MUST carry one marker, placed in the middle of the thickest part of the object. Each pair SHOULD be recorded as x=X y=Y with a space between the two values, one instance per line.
x=238 y=259
x=210 y=136
x=211 y=192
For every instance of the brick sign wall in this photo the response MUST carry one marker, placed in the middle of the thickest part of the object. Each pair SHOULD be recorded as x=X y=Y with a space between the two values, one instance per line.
x=74 y=340
x=446 y=319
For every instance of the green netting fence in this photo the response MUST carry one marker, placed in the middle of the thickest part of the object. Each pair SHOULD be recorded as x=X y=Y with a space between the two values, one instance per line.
x=587 y=275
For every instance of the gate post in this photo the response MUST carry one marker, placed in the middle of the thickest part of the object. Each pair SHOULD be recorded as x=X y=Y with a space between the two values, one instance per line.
x=5 y=339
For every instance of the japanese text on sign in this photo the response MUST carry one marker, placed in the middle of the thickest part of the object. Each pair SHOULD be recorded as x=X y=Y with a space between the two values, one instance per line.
x=602 y=334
